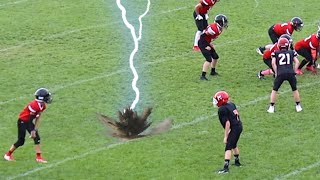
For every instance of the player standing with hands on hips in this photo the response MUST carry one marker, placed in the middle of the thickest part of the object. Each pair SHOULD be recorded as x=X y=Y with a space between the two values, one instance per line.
x=282 y=63
x=201 y=17
x=25 y=123
x=230 y=121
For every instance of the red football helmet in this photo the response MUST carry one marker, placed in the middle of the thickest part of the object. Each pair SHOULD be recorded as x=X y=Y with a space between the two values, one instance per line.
x=283 y=43
x=220 y=98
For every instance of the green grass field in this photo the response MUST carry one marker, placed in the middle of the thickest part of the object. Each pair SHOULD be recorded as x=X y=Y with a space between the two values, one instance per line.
x=80 y=51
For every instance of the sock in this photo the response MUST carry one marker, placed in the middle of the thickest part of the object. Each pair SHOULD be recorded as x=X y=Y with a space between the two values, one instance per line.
x=267 y=72
x=9 y=153
x=271 y=104
x=197 y=37
x=38 y=155
x=226 y=163
x=303 y=62
x=297 y=103
x=236 y=157
x=204 y=73
x=213 y=69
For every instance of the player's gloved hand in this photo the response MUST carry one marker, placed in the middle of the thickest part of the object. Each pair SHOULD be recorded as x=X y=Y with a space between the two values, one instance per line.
x=207 y=16
x=199 y=17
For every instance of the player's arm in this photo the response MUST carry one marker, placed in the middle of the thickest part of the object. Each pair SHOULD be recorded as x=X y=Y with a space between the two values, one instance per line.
x=274 y=65
x=296 y=63
x=33 y=132
x=37 y=122
x=226 y=131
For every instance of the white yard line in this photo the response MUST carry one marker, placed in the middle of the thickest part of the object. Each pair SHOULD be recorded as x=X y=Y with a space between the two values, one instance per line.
x=257 y=3
x=179 y=126
x=12 y=3
x=298 y=171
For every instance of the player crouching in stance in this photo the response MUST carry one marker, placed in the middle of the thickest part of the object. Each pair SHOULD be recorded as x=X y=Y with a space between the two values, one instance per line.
x=282 y=63
x=230 y=121
x=210 y=33
x=25 y=123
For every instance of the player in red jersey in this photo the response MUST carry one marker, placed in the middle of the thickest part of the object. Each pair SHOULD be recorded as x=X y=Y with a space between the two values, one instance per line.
x=210 y=33
x=305 y=47
x=201 y=16
x=25 y=123
x=276 y=30
x=267 y=57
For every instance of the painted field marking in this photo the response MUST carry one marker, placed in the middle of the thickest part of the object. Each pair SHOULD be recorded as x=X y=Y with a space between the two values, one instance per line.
x=298 y=171
x=179 y=126
x=12 y=3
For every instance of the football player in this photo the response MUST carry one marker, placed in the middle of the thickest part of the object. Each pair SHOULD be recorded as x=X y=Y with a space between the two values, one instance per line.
x=267 y=57
x=230 y=121
x=201 y=16
x=309 y=49
x=282 y=63
x=276 y=30
x=25 y=123
x=207 y=49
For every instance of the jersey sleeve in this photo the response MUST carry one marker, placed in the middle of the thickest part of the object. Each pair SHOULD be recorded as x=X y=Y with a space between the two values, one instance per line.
x=211 y=31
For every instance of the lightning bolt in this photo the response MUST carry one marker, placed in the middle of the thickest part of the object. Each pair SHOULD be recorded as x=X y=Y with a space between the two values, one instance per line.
x=136 y=47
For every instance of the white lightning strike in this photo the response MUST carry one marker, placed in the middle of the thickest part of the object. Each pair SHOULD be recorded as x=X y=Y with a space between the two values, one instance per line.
x=136 y=47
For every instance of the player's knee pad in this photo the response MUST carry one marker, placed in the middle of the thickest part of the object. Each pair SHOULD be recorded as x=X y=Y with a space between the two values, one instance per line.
x=20 y=142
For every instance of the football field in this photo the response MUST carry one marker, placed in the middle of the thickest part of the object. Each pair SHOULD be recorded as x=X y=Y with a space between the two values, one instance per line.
x=80 y=50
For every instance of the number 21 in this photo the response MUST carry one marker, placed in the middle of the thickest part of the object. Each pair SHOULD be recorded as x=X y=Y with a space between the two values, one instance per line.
x=284 y=59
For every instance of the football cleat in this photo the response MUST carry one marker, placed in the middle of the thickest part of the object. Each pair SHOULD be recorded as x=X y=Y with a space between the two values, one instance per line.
x=8 y=158
x=214 y=73
x=196 y=48
x=237 y=163
x=259 y=51
x=41 y=160
x=299 y=72
x=223 y=171
x=271 y=109
x=310 y=68
x=298 y=108
x=203 y=78
x=260 y=75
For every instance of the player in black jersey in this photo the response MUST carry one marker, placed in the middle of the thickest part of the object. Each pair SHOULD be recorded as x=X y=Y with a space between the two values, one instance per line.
x=230 y=121
x=282 y=63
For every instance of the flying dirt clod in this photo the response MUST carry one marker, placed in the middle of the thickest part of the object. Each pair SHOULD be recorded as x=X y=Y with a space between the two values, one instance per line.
x=130 y=125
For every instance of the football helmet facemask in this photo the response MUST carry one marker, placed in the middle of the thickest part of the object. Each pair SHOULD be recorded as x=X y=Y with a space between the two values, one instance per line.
x=220 y=98
x=43 y=95
x=318 y=34
x=297 y=23
x=222 y=20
